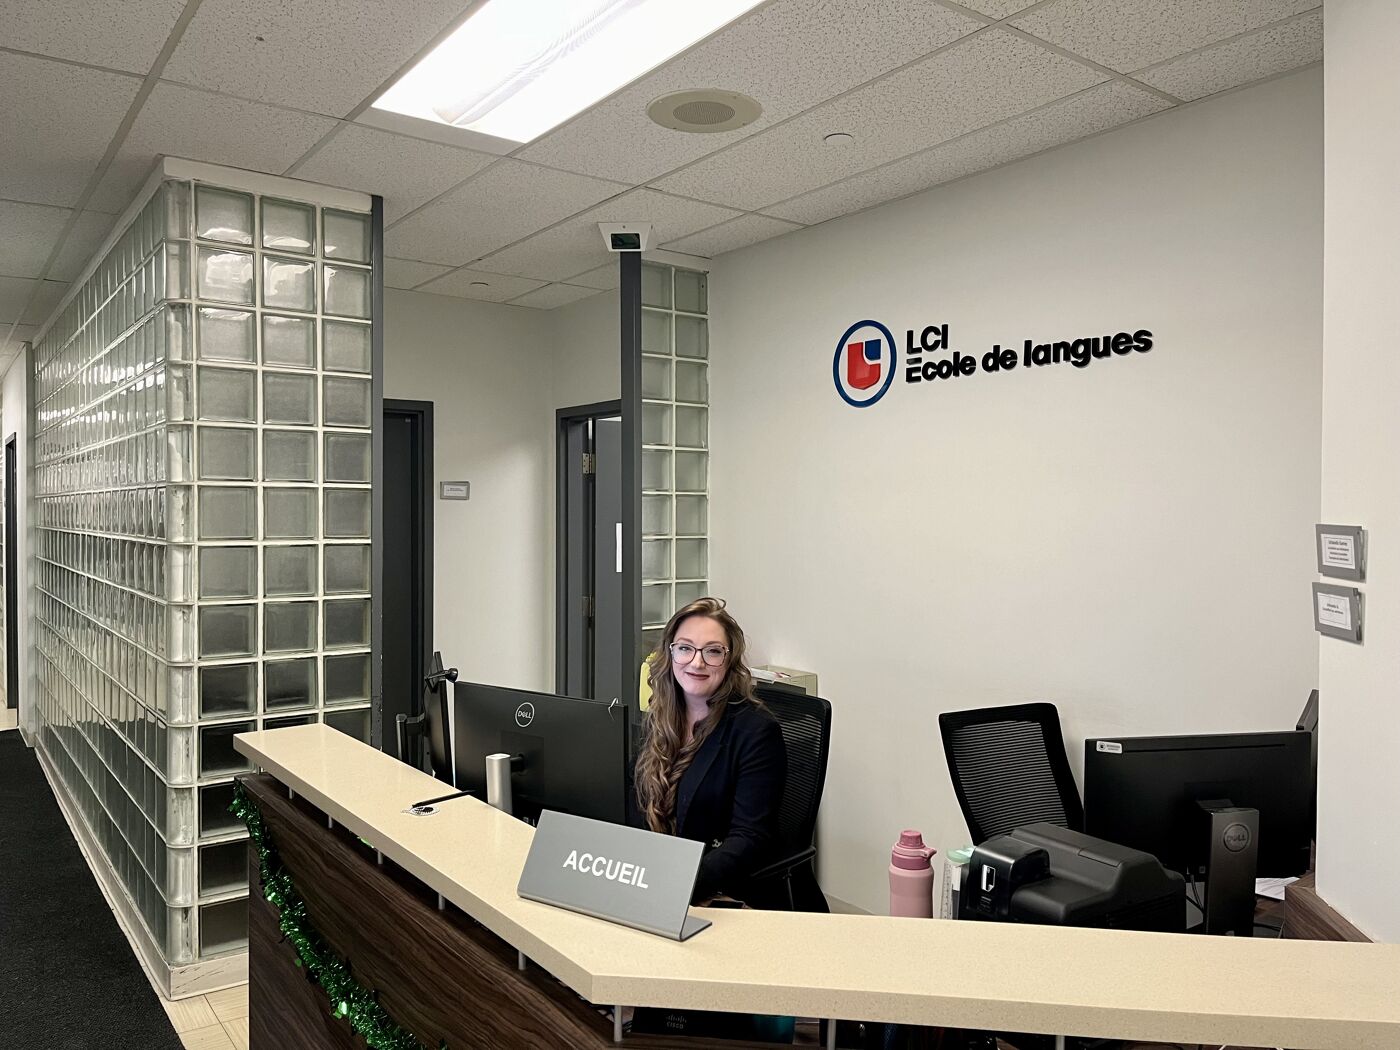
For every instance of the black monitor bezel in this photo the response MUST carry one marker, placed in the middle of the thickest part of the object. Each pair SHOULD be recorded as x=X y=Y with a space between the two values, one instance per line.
x=1285 y=803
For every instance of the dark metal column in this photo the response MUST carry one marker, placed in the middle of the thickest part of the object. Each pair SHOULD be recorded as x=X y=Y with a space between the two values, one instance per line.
x=630 y=299
x=376 y=530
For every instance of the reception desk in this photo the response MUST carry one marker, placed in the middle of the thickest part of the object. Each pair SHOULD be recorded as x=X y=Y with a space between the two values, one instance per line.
x=374 y=878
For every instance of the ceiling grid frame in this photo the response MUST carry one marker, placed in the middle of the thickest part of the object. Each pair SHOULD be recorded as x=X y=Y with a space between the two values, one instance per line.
x=1263 y=39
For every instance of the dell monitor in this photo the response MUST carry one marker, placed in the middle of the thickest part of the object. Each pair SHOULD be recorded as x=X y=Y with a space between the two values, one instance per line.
x=568 y=755
x=1186 y=800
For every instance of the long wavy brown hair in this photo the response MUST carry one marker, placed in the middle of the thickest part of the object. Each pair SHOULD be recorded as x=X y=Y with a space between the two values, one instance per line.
x=665 y=754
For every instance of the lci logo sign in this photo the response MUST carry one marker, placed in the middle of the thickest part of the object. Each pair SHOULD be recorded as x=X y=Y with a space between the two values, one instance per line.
x=865 y=364
x=867 y=359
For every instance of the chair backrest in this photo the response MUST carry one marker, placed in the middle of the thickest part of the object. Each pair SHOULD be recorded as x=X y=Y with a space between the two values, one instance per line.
x=1009 y=768
x=806 y=724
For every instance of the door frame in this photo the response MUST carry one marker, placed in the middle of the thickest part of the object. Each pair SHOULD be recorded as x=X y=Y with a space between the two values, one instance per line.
x=422 y=411
x=11 y=596
x=564 y=418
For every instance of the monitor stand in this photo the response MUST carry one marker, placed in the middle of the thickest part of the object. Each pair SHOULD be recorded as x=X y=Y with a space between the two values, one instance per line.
x=1231 y=864
x=499 y=790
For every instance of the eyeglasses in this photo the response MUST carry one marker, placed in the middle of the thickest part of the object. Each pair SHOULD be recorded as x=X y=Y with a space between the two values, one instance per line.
x=713 y=655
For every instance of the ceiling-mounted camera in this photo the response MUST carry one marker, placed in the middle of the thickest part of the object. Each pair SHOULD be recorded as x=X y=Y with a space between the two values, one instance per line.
x=625 y=236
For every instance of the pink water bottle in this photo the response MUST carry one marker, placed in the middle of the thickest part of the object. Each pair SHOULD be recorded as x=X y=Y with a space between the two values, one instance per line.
x=911 y=876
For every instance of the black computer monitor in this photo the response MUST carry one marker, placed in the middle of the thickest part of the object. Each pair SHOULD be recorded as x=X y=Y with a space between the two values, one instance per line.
x=435 y=712
x=1144 y=792
x=573 y=753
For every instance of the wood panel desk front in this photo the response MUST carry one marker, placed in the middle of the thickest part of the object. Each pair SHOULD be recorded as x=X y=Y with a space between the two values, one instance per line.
x=1115 y=984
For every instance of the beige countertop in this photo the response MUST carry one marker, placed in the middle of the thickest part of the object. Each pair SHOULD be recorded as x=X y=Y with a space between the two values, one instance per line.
x=1304 y=995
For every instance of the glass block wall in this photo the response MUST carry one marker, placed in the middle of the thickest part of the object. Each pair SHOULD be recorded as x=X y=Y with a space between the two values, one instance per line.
x=675 y=443
x=202 y=478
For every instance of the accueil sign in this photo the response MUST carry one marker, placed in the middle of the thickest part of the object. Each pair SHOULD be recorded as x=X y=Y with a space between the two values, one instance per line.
x=603 y=868
x=866 y=361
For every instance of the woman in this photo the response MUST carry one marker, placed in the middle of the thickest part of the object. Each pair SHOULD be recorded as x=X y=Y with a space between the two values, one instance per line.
x=712 y=762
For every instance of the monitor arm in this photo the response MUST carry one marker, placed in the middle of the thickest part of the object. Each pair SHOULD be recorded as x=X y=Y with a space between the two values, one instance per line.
x=410 y=730
x=433 y=680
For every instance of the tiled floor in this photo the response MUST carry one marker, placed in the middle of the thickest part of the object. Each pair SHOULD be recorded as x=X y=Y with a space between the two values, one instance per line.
x=217 y=1021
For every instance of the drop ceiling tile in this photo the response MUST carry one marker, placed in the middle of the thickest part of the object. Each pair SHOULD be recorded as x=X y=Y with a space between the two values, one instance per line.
x=575 y=245
x=477 y=284
x=406 y=172
x=28 y=234
x=1128 y=34
x=552 y=295
x=991 y=76
x=1240 y=60
x=737 y=233
x=998 y=8
x=788 y=55
x=56 y=122
x=14 y=293
x=503 y=204
x=17 y=334
x=126 y=35
x=81 y=245
x=46 y=297
x=603 y=278
x=1086 y=113
x=181 y=122
x=406 y=273
x=323 y=55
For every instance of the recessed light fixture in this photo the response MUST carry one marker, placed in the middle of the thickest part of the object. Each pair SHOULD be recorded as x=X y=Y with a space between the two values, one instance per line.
x=839 y=138
x=516 y=69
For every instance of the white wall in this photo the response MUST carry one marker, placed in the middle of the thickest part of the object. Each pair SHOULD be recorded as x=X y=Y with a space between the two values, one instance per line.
x=1130 y=541
x=1359 y=777
x=485 y=367
x=586 y=339
x=14 y=396
x=496 y=375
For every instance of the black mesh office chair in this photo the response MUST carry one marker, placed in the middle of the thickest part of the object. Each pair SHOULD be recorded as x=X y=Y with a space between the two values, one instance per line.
x=1009 y=768
x=806 y=724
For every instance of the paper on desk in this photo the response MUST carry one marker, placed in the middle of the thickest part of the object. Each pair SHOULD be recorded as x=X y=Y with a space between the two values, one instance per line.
x=1272 y=888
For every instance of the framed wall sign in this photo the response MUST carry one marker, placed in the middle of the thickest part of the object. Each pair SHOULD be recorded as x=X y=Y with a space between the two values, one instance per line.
x=1337 y=611
x=1341 y=551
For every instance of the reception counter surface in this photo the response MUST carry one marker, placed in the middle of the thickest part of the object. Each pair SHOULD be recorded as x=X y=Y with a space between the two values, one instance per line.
x=1216 y=990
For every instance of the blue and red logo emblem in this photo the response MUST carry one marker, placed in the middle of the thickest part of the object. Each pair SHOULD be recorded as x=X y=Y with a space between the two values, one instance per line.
x=864 y=365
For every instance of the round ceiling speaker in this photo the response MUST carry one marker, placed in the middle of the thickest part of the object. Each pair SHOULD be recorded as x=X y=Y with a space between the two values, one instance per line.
x=705 y=111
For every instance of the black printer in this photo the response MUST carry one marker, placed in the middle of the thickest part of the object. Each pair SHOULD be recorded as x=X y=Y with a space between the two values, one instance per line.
x=1049 y=875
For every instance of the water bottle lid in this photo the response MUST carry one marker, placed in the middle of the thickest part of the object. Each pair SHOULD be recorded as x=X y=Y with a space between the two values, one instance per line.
x=910 y=852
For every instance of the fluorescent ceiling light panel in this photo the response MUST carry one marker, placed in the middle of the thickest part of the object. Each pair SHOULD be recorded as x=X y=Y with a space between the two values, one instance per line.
x=517 y=68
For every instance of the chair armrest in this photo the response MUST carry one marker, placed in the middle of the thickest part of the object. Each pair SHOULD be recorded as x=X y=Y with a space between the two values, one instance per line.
x=782 y=867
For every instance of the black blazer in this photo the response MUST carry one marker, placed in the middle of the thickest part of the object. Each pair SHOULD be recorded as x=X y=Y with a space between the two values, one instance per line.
x=729 y=797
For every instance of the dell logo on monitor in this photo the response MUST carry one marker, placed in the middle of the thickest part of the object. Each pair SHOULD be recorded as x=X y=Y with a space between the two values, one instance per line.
x=524 y=715
x=1236 y=837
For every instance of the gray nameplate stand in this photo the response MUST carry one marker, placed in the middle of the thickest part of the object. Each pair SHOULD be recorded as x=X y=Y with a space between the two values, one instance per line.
x=609 y=871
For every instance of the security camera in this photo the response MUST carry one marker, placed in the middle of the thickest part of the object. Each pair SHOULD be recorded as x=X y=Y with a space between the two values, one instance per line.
x=625 y=236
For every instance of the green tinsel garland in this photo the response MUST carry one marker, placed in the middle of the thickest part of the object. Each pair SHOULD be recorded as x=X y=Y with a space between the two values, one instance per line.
x=349 y=999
